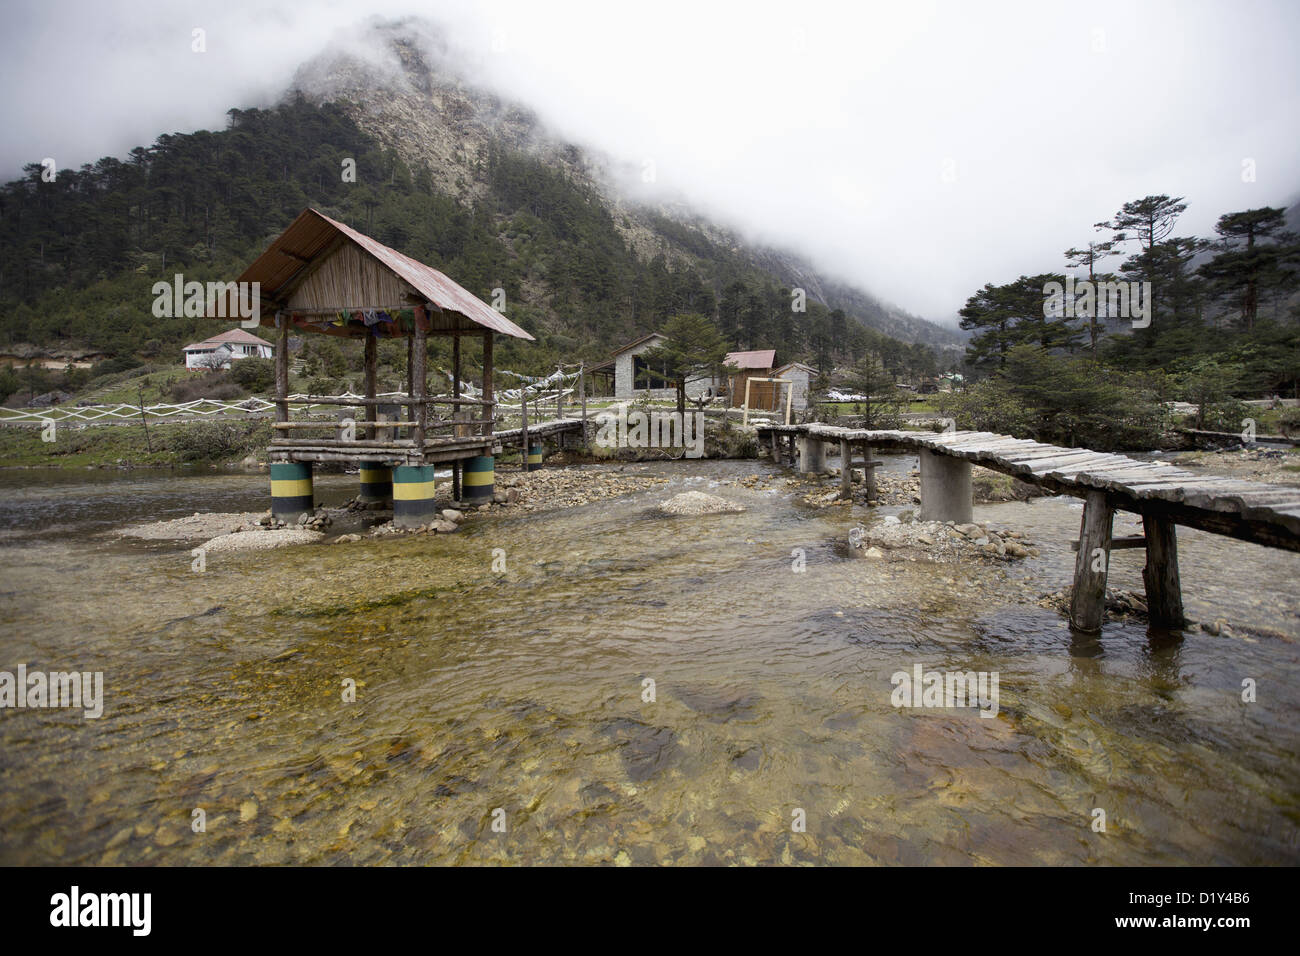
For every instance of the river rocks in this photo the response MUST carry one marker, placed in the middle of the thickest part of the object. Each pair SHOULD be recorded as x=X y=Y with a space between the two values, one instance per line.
x=571 y=487
x=197 y=526
x=317 y=520
x=936 y=541
x=720 y=703
x=696 y=503
x=262 y=539
x=644 y=750
x=1121 y=605
x=451 y=514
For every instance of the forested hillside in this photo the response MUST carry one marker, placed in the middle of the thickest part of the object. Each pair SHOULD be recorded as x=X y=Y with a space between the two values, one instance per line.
x=80 y=253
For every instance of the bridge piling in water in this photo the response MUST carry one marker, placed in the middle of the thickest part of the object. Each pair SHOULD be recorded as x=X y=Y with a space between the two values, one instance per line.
x=1092 y=563
x=946 y=493
x=812 y=455
x=1160 y=574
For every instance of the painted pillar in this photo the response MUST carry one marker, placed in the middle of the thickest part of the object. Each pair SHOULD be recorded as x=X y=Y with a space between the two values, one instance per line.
x=413 y=494
x=535 y=451
x=291 y=492
x=812 y=455
x=376 y=482
x=945 y=488
x=479 y=479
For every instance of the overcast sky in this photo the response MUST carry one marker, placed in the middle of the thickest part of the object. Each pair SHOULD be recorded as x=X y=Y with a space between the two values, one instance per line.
x=917 y=149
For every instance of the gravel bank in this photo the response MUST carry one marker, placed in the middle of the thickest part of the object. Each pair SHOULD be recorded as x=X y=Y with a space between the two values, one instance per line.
x=195 y=526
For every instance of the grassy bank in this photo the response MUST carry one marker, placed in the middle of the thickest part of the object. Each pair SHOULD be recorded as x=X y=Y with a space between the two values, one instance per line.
x=172 y=444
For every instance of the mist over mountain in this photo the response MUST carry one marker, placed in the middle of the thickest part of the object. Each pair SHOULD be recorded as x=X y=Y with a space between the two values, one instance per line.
x=401 y=82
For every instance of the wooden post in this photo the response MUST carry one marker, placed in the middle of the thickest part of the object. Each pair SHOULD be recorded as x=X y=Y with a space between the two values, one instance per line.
x=1160 y=575
x=523 y=432
x=282 y=371
x=487 y=381
x=582 y=397
x=846 y=469
x=419 y=360
x=559 y=392
x=776 y=448
x=869 y=473
x=410 y=374
x=148 y=443
x=455 y=412
x=1088 y=602
x=372 y=366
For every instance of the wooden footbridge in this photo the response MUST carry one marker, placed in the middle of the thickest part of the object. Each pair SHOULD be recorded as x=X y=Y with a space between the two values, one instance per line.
x=1163 y=495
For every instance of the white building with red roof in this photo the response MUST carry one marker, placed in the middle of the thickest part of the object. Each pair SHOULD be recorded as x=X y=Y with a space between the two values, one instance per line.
x=220 y=350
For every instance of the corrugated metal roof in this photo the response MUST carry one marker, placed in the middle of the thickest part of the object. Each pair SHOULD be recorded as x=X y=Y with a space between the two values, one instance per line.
x=762 y=358
x=313 y=233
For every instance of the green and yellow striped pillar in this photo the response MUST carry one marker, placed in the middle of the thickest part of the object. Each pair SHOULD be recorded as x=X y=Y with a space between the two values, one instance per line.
x=535 y=451
x=479 y=480
x=291 y=495
x=413 y=493
x=376 y=482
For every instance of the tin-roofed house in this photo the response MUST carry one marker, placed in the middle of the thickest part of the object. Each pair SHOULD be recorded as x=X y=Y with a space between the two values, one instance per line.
x=752 y=364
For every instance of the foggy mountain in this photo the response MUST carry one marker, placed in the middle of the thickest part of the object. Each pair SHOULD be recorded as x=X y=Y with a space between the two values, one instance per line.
x=402 y=84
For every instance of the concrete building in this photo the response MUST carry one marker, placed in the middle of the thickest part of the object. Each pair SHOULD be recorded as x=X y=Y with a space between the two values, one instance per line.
x=220 y=350
x=631 y=372
x=801 y=377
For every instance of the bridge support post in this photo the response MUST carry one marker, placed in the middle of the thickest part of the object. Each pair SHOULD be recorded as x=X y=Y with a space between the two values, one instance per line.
x=869 y=474
x=812 y=455
x=846 y=469
x=480 y=480
x=789 y=447
x=376 y=482
x=776 y=449
x=1160 y=575
x=413 y=495
x=1088 y=601
x=291 y=490
x=535 y=452
x=945 y=488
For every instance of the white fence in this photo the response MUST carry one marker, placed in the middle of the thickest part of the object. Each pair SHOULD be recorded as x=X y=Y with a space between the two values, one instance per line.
x=537 y=390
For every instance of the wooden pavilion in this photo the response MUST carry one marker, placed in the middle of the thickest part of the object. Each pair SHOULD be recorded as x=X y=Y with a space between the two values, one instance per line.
x=322 y=277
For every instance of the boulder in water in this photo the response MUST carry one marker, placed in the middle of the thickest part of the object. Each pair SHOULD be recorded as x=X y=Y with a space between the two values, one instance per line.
x=697 y=503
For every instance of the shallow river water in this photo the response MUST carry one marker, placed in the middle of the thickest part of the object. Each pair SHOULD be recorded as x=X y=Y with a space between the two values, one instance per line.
x=524 y=691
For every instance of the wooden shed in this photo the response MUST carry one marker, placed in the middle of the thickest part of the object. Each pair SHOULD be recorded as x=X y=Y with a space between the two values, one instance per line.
x=323 y=277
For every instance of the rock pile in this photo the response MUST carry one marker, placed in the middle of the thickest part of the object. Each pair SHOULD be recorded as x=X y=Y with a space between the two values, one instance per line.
x=569 y=488
x=694 y=503
x=939 y=541
x=447 y=522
